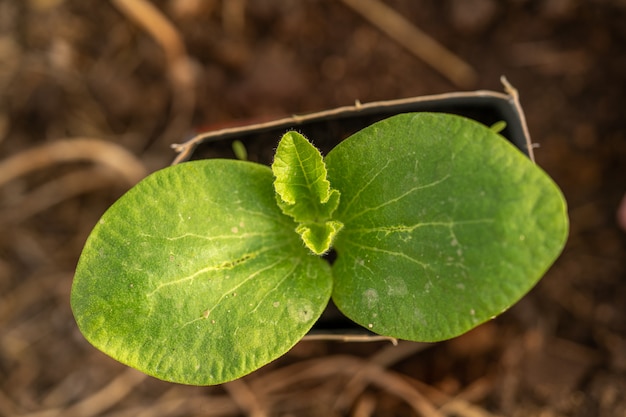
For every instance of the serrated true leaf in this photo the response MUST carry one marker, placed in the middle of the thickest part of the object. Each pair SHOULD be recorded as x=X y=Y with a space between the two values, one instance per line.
x=304 y=193
x=195 y=275
x=446 y=225
x=319 y=236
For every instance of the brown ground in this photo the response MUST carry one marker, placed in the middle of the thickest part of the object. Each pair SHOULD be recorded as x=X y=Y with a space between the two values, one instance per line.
x=75 y=69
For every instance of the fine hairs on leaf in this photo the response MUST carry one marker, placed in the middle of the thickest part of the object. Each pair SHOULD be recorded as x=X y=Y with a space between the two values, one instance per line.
x=439 y=224
x=304 y=193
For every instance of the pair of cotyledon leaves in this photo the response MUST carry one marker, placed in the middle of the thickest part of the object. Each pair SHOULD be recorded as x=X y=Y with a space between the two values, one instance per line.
x=207 y=270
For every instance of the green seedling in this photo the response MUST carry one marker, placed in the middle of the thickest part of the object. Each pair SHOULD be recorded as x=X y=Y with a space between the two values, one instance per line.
x=208 y=270
x=240 y=150
x=498 y=127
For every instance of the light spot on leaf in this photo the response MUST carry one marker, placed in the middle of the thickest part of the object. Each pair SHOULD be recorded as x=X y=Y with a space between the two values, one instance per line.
x=419 y=316
x=396 y=286
x=301 y=311
x=370 y=297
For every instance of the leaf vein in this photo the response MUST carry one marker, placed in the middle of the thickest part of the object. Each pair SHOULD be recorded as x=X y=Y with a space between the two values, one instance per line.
x=397 y=199
x=226 y=265
x=358 y=193
x=424 y=265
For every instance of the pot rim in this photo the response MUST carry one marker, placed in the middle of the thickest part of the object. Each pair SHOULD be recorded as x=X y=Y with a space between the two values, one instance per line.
x=510 y=97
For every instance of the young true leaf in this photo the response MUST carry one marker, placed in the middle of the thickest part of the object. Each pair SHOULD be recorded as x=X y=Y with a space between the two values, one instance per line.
x=319 y=236
x=196 y=276
x=304 y=193
x=446 y=225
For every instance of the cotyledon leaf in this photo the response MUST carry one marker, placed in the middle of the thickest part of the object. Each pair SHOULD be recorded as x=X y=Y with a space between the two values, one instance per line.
x=195 y=275
x=446 y=225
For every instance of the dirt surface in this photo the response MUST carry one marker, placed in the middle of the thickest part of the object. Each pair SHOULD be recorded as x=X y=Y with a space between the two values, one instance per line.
x=95 y=74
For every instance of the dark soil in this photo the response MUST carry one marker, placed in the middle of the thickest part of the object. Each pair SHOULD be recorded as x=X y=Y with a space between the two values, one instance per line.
x=73 y=70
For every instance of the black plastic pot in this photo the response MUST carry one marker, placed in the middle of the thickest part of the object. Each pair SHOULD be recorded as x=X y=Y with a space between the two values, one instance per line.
x=327 y=128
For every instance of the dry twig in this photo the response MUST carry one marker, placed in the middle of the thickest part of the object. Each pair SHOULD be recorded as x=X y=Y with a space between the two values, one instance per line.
x=385 y=358
x=104 y=399
x=121 y=164
x=416 y=41
x=327 y=368
x=60 y=189
x=181 y=68
x=245 y=398
x=97 y=151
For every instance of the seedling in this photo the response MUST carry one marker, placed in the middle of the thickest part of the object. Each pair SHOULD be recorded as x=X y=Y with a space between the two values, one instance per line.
x=208 y=270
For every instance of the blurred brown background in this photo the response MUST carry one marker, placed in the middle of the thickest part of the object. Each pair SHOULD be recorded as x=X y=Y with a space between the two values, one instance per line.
x=122 y=80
